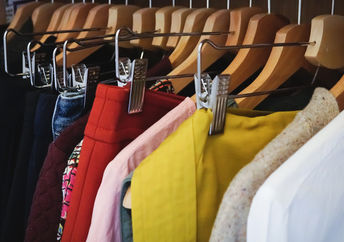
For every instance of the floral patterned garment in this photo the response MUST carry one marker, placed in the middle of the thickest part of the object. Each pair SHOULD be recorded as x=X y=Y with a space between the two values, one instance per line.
x=162 y=86
x=68 y=180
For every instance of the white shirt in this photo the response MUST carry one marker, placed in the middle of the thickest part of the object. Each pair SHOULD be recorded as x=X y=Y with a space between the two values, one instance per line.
x=303 y=200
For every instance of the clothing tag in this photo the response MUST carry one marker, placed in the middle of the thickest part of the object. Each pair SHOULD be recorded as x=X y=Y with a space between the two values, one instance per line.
x=127 y=199
x=91 y=86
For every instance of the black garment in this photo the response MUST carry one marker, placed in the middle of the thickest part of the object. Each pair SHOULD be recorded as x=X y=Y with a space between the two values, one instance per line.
x=42 y=137
x=16 y=198
x=12 y=103
x=31 y=153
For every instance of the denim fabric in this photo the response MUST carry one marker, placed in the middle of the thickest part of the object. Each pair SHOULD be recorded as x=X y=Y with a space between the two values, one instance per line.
x=69 y=107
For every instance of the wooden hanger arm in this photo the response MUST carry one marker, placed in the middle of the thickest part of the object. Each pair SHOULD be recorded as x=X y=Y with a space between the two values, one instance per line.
x=76 y=20
x=97 y=18
x=163 y=21
x=217 y=22
x=328 y=35
x=54 y=23
x=338 y=93
x=194 y=23
x=261 y=28
x=41 y=16
x=283 y=62
x=121 y=16
x=239 y=20
x=144 y=21
x=178 y=19
x=21 y=16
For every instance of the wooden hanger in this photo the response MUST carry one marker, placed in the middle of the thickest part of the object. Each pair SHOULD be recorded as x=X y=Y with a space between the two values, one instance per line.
x=327 y=36
x=54 y=23
x=283 y=62
x=178 y=19
x=66 y=16
x=338 y=93
x=262 y=28
x=119 y=16
x=217 y=22
x=238 y=24
x=328 y=33
x=144 y=21
x=77 y=17
x=194 y=23
x=21 y=16
x=41 y=16
x=163 y=20
x=97 y=18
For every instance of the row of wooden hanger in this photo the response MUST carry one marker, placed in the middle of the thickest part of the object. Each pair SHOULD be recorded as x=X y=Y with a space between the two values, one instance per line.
x=247 y=26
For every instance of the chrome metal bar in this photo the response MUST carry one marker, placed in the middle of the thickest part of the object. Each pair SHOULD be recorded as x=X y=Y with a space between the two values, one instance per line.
x=64 y=63
x=299 y=12
x=28 y=48
x=55 y=69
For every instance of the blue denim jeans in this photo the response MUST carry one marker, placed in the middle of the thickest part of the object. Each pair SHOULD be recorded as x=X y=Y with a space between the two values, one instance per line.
x=69 y=107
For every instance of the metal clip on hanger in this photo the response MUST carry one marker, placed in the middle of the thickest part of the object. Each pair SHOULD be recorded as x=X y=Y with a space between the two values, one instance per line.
x=123 y=75
x=135 y=73
x=137 y=89
x=211 y=94
x=5 y=39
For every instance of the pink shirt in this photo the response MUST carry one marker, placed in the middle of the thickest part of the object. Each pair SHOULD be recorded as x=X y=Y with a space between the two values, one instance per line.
x=105 y=223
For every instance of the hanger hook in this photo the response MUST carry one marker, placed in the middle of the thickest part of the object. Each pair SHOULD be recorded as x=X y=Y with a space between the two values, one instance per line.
x=299 y=11
x=228 y=4
x=269 y=6
x=150 y=3
x=173 y=3
x=126 y=3
x=250 y=3
x=190 y=4
x=332 y=9
x=207 y=3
